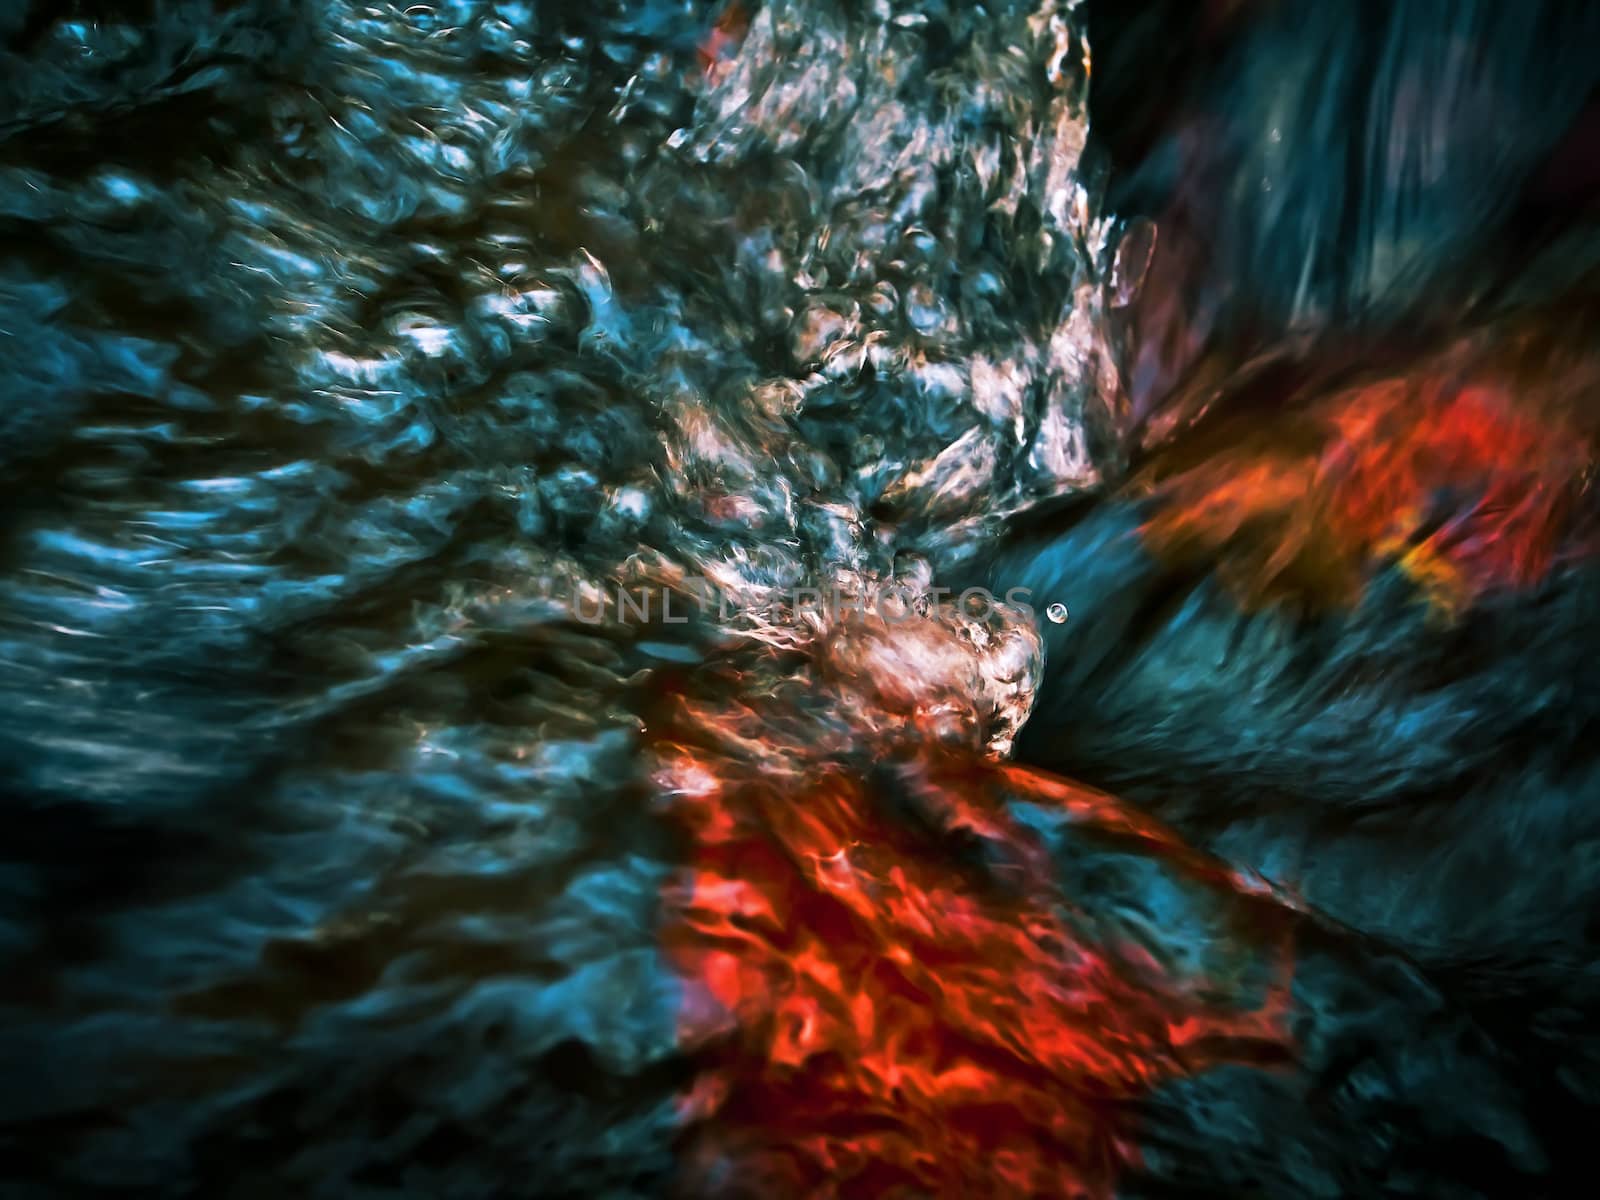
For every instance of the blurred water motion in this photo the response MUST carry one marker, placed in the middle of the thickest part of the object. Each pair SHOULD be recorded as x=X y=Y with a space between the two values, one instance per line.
x=352 y=353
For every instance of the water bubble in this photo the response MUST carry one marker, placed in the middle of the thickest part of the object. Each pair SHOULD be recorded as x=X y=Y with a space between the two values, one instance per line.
x=1057 y=613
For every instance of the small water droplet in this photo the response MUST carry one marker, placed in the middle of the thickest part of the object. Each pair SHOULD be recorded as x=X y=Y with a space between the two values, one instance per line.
x=1057 y=613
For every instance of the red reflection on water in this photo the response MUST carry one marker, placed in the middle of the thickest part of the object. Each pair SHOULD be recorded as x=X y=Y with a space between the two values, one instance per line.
x=891 y=990
x=1465 y=485
x=722 y=42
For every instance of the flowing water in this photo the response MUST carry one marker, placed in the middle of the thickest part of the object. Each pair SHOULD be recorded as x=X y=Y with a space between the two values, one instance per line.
x=352 y=352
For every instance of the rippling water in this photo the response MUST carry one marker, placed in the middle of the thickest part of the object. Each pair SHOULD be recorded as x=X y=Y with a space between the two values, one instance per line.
x=346 y=347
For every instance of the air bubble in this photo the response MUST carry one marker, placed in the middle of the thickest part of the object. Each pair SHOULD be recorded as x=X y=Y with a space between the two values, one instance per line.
x=1057 y=613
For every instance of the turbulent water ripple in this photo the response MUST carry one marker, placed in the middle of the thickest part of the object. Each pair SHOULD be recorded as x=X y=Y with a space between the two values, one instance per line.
x=348 y=347
x=337 y=339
